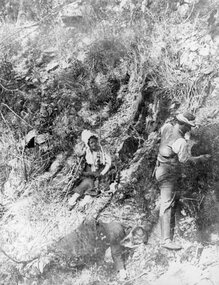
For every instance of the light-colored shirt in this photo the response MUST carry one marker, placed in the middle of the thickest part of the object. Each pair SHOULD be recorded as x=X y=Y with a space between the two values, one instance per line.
x=180 y=147
x=104 y=159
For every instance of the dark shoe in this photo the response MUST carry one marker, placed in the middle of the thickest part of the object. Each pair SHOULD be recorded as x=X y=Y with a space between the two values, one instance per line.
x=169 y=244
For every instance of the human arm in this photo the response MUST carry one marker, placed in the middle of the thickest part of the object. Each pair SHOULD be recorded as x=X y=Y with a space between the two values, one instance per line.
x=115 y=232
x=180 y=147
x=116 y=252
x=203 y=157
x=108 y=162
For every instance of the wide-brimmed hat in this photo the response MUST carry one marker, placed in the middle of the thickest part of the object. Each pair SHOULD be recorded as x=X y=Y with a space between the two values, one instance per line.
x=186 y=118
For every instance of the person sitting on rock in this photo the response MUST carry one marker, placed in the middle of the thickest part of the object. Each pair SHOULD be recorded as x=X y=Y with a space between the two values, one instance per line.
x=173 y=152
x=97 y=164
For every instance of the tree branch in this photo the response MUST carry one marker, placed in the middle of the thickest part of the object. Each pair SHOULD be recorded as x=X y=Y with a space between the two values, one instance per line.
x=16 y=114
x=24 y=262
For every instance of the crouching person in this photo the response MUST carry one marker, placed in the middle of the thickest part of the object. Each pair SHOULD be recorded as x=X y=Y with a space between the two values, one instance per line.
x=119 y=238
x=89 y=242
x=96 y=164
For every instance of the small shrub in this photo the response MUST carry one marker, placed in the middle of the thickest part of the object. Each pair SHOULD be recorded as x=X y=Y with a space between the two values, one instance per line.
x=104 y=55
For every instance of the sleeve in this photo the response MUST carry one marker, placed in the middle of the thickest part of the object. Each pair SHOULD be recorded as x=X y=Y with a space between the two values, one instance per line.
x=180 y=147
x=108 y=162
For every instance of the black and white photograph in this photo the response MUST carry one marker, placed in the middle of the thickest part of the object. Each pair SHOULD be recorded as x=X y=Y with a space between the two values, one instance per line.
x=109 y=142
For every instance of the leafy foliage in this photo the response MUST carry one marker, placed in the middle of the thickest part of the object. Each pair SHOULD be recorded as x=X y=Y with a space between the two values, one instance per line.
x=105 y=55
x=118 y=75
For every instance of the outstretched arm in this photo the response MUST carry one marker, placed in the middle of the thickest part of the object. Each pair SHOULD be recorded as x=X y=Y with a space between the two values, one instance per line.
x=203 y=157
x=180 y=147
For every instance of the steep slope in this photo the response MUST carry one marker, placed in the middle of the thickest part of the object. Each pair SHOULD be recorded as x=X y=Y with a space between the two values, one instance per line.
x=121 y=69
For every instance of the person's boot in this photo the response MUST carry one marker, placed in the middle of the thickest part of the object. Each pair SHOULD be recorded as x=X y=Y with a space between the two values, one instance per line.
x=166 y=232
x=165 y=222
x=169 y=244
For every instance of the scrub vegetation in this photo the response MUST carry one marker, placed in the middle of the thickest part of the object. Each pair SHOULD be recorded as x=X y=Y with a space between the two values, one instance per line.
x=120 y=68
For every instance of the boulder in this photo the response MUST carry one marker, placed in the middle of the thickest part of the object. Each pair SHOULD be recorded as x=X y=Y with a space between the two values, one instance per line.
x=179 y=274
x=71 y=15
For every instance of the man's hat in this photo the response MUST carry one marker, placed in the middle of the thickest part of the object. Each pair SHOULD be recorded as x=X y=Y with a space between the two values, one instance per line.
x=186 y=118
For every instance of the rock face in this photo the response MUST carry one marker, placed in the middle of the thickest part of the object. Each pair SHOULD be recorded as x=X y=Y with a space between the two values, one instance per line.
x=180 y=275
x=72 y=15
x=189 y=275
x=136 y=60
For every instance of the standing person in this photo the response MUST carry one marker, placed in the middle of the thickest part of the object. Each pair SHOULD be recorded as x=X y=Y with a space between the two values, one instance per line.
x=173 y=152
x=97 y=164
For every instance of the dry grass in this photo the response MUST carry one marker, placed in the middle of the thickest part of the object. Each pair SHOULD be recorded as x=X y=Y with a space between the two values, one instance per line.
x=166 y=47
